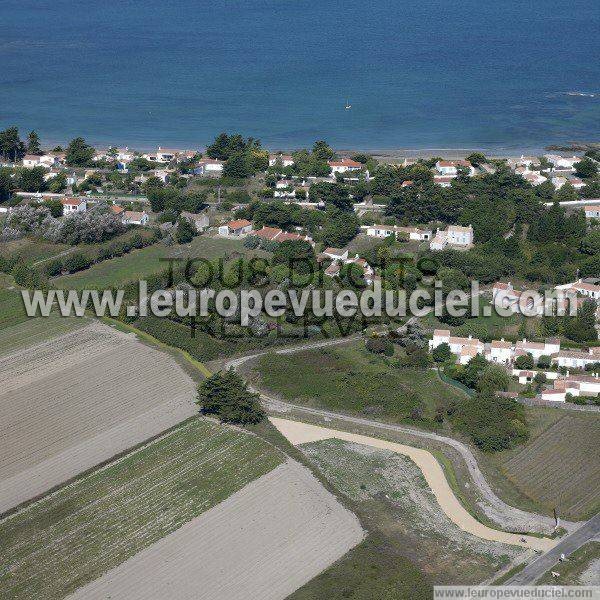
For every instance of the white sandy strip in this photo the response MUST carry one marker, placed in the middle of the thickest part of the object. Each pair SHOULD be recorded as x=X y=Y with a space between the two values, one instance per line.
x=301 y=433
x=262 y=543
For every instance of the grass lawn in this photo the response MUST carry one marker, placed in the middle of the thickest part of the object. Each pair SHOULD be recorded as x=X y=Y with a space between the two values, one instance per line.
x=351 y=379
x=581 y=568
x=412 y=543
x=484 y=328
x=72 y=537
x=146 y=261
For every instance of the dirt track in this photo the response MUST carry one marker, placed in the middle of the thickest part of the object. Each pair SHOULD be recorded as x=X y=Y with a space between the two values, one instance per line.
x=301 y=433
x=74 y=401
x=264 y=542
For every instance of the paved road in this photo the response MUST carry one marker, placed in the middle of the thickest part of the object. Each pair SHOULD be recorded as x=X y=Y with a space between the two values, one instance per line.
x=533 y=571
x=505 y=515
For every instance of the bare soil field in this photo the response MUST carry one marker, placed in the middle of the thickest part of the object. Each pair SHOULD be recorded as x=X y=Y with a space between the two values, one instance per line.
x=78 y=399
x=72 y=537
x=263 y=542
x=561 y=467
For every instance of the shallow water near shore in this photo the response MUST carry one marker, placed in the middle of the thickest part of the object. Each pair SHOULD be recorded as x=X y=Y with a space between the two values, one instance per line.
x=503 y=76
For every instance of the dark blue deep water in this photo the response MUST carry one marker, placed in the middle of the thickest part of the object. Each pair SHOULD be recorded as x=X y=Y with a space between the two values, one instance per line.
x=419 y=74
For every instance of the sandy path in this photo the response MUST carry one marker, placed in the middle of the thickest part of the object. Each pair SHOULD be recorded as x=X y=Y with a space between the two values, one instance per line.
x=302 y=433
x=76 y=400
x=262 y=543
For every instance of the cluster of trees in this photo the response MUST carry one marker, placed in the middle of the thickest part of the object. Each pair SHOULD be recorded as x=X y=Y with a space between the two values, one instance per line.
x=332 y=226
x=243 y=157
x=172 y=199
x=226 y=396
x=580 y=328
x=96 y=225
x=493 y=422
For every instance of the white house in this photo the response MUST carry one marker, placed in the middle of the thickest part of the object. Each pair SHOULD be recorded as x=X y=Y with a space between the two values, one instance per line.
x=200 y=221
x=31 y=160
x=455 y=236
x=335 y=254
x=344 y=165
x=238 y=228
x=73 y=205
x=210 y=167
x=576 y=359
x=384 y=231
x=505 y=296
x=284 y=188
x=165 y=155
x=500 y=351
x=589 y=290
x=576 y=182
x=286 y=160
x=533 y=177
x=558 y=181
x=592 y=212
x=464 y=348
x=449 y=168
x=554 y=395
x=536 y=349
x=562 y=163
x=132 y=217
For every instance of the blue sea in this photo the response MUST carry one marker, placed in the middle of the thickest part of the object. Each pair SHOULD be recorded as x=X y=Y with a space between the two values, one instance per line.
x=502 y=75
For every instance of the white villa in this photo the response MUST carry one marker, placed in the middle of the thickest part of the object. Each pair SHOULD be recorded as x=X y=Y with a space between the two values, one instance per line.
x=238 y=228
x=73 y=205
x=285 y=159
x=344 y=165
x=449 y=168
x=590 y=290
x=210 y=167
x=132 y=217
x=384 y=231
x=454 y=236
x=592 y=212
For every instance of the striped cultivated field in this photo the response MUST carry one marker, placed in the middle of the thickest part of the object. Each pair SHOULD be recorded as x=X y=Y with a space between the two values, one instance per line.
x=74 y=536
x=561 y=467
x=74 y=400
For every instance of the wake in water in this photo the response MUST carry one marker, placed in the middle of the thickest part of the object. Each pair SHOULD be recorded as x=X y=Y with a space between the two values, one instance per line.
x=583 y=94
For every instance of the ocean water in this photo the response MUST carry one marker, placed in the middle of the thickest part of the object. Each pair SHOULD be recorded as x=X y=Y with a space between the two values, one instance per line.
x=502 y=75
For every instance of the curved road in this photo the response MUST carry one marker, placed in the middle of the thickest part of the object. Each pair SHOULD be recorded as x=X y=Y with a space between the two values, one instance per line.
x=504 y=515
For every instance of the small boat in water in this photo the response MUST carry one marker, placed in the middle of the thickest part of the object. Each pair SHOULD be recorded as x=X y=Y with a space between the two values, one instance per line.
x=348 y=105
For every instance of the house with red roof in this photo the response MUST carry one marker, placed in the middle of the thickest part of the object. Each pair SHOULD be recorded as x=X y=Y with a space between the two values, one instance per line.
x=238 y=228
x=344 y=165
x=73 y=205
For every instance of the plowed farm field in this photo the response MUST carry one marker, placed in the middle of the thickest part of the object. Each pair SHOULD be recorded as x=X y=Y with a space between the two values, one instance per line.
x=77 y=399
x=561 y=467
x=70 y=538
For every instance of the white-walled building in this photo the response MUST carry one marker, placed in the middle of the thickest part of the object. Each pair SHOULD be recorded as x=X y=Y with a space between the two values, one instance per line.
x=464 y=348
x=200 y=221
x=239 y=228
x=449 y=168
x=384 y=231
x=132 y=217
x=455 y=236
x=210 y=167
x=592 y=212
x=344 y=165
x=73 y=205
x=286 y=160
x=590 y=290
x=576 y=359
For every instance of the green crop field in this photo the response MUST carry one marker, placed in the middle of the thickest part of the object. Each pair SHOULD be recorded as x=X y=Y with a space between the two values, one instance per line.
x=144 y=262
x=85 y=529
x=560 y=465
x=12 y=310
x=351 y=379
x=30 y=251
x=35 y=331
